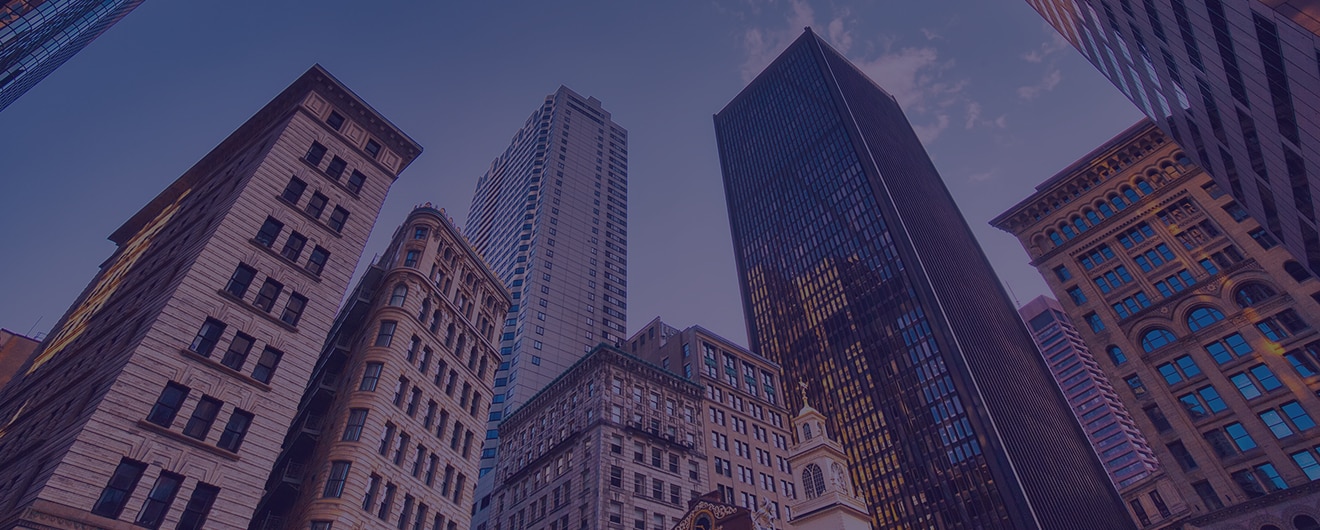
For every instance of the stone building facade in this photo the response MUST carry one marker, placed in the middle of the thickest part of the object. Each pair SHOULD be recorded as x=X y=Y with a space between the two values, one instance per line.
x=745 y=431
x=613 y=443
x=15 y=350
x=1207 y=325
x=163 y=395
x=388 y=433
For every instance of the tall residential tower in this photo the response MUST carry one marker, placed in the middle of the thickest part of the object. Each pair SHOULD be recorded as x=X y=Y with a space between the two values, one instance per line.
x=860 y=277
x=163 y=394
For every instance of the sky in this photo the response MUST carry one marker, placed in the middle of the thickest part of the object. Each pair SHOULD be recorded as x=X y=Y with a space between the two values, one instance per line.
x=999 y=100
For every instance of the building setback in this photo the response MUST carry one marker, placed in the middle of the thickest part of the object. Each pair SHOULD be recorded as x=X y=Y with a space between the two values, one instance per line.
x=1207 y=324
x=1236 y=82
x=614 y=442
x=550 y=217
x=389 y=430
x=39 y=35
x=745 y=434
x=163 y=395
x=860 y=277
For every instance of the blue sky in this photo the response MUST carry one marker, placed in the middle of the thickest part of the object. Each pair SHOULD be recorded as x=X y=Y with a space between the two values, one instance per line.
x=1001 y=103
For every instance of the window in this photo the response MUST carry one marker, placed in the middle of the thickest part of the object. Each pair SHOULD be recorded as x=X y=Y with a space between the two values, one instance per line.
x=270 y=290
x=1061 y=272
x=316 y=262
x=1295 y=270
x=355 y=181
x=316 y=206
x=168 y=404
x=1157 y=338
x=1208 y=495
x=293 y=246
x=198 y=507
x=203 y=416
x=322 y=525
x=1253 y=293
x=334 y=484
x=410 y=258
x=1202 y=317
x=1134 y=382
x=370 y=377
x=399 y=295
x=387 y=503
x=1297 y=415
x=1093 y=320
x=335 y=121
x=1116 y=355
x=293 y=309
x=1228 y=348
x=1304 y=366
x=235 y=430
x=386 y=334
x=265 y=368
x=293 y=190
x=270 y=230
x=119 y=488
x=1076 y=294
x=159 y=500
x=1184 y=457
x=336 y=168
x=1179 y=370
x=1157 y=418
x=207 y=337
x=357 y=418
x=338 y=218
x=1307 y=462
x=1263 y=238
x=240 y=280
x=813 y=481
x=315 y=153
x=372 y=148
x=238 y=351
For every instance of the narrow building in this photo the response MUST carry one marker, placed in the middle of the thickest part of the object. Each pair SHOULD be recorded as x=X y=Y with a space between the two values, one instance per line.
x=163 y=395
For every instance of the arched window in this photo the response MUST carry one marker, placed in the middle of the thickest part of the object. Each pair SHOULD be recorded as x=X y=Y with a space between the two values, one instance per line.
x=813 y=481
x=426 y=309
x=449 y=335
x=1296 y=270
x=1118 y=202
x=1056 y=238
x=462 y=341
x=1145 y=187
x=1080 y=224
x=1202 y=317
x=1068 y=232
x=399 y=295
x=1305 y=522
x=1092 y=217
x=1105 y=210
x=435 y=321
x=1131 y=195
x=1253 y=293
x=1116 y=355
x=1157 y=338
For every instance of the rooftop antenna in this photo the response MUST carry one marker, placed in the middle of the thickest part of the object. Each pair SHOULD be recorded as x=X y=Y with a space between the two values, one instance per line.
x=34 y=326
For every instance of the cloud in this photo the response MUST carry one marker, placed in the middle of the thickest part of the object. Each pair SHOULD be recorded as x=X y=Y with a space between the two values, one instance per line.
x=928 y=132
x=1047 y=83
x=973 y=114
x=840 y=35
x=764 y=44
x=982 y=176
x=930 y=35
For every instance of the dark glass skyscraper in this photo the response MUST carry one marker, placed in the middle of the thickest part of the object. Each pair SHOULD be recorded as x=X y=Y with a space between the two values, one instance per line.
x=861 y=278
x=37 y=36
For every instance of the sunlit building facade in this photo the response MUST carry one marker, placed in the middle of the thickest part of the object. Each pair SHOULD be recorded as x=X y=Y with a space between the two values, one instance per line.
x=37 y=36
x=1203 y=322
x=163 y=395
x=860 y=278
x=1235 y=82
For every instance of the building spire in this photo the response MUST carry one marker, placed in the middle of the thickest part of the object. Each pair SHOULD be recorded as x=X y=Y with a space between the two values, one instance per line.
x=802 y=387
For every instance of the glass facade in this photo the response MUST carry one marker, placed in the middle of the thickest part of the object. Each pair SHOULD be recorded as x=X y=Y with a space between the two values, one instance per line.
x=37 y=36
x=851 y=255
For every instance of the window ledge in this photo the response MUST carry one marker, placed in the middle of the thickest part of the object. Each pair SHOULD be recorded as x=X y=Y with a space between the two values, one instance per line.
x=215 y=365
x=257 y=311
x=285 y=260
x=179 y=437
x=332 y=180
x=308 y=216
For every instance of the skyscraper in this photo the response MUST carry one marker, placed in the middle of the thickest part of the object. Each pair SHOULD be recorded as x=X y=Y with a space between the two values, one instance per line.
x=860 y=277
x=1206 y=323
x=1232 y=81
x=389 y=430
x=163 y=394
x=550 y=216
x=37 y=36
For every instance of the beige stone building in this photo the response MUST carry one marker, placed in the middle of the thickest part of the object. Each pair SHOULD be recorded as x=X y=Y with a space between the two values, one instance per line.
x=746 y=435
x=613 y=443
x=389 y=432
x=15 y=350
x=1206 y=324
x=830 y=500
x=163 y=395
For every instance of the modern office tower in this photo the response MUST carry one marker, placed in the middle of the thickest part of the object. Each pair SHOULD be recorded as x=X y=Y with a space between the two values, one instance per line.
x=1114 y=436
x=1207 y=323
x=163 y=395
x=37 y=36
x=389 y=430
x=745 y=430
x=15 y=350
x=614 y=442
x=1233 y=81
x=550 y=217
x=860 y=277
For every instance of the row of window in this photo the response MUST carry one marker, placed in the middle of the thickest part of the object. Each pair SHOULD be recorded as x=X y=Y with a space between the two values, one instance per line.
x=1104 y=209
x=335 y=169
x=203 y=417
x=238 y=351
x=241 y=280
x=412 y=514
x=315 y=207
x=114 y=498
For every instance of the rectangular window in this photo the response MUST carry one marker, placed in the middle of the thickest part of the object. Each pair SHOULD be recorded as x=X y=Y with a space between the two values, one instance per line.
x=202 y=418
x=372 y=148
x=357 y=418
x=119 y=488
x=355 y=181
x=316 y=262
x=1297 y=415
x=1308 y=464
x=265 y=368
x=159 y=500
x=232 y=437
x=336 y=168
x=240 y=280
x=334 y=484
x=1061 y=272
x=316 y=205
x=1208 y=495
x=315 y=153
x=207 y=337
x=168 y=404
x=238 y=351
x=335 y=121
x=198 y=507
x=370 y=377
x=270 y=290
x=1093 y=320
x=1075 y=293
x=338 y=218
x=293 y=309
x=293 y=190
x=269 y=232
x=293 y=246
x=387 y=504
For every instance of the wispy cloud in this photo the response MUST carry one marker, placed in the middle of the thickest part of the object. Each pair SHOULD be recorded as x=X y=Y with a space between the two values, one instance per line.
x=982 y=176
x=1047 y=83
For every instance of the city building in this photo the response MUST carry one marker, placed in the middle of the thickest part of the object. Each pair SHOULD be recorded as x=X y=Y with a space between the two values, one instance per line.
x=15 y=350
x=832 y=505
x=550 y=217
x=745 y=430
x=1207 y=324
x=614 y=442
x=163 y=395
x=37 y=36
x=389 y=430
x=710 y=511
x=1236 y=82
x=1108 y=425
x=860 y=277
